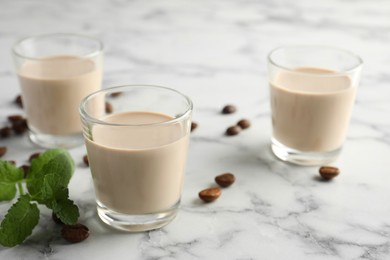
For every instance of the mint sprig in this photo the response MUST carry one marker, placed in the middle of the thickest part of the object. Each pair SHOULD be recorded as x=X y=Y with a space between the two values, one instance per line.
x=47 y=184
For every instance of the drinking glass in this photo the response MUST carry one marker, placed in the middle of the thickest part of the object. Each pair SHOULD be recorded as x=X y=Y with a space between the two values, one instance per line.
x=137 y=153
x=56 y=71
x=312 y=91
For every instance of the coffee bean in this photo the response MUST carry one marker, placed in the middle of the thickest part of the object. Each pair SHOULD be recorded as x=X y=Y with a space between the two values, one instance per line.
x=244 y=123
x=233 y=130
x=225 y=180
x=85 y=160
x=18 y=101
x=210 y=194
x=116 y=94
x=109 y=108
x=19 y=129
x=193 y=126
x=15 y=118
x=33 y=156
x=5 y=132
x=3 y=150
x=329 y=172
x=75 y=233
x=229 y=109
x=12 y=162
x=20 y=126
x=56 y=219
x=25 y=169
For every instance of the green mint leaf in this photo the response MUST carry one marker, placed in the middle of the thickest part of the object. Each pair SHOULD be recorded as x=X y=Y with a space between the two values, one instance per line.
x=64 y=208
x=9 y=176
x=57 y=162
x=58 y=200
x=51 y=187
x=68 y=212
x=19 y=222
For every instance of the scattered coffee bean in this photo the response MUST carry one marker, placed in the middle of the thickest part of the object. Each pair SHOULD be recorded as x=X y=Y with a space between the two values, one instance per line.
x=225 y=180
x=18 y=101
x=56 y=219
x=229 y=109
x=12 y=162
x=15 y=118
x=85 y=159
x=5 y=132
x=244 y=123
x=233 y=130
x=193 y=126
x=3 y=150
x=75 y=233
x=20 y=127
x=210 y=194
x=25 y=169
x=33 y=156
x=116 y=94
x=109 y=107
x=329 y=172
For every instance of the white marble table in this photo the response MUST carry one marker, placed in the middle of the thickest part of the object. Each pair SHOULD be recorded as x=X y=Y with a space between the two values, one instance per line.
x=215 y=52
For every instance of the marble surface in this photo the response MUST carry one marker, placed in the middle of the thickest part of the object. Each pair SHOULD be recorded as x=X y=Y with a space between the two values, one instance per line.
x=215 y=52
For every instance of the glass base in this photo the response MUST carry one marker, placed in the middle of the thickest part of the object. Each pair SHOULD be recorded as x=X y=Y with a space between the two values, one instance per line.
x=136 y=223
x=287 y=154
x=56 y=141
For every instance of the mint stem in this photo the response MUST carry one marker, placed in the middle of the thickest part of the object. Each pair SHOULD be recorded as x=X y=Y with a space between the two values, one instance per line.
x=20 y=187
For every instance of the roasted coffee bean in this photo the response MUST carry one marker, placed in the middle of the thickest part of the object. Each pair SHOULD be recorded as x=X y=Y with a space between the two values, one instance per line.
x=75 y=233
x=25 y=169
x=225 y=180
x=18 y=101
x=116 y=94
x=244 y=123
x=329 y=172
x=210 y=194
x=109 y=108
x=20 y=127
x=193 y=126
x=15 y=118
x=12 y=162
x=5 y=132
x=233 y=130
x=3 y=150
x=229 y=109
x=33 y=156
x=85 y=160
x=56 y=219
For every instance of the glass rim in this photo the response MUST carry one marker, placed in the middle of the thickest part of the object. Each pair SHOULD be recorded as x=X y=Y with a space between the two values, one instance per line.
x=87 y=117
x=353 y=69
x=52 y=35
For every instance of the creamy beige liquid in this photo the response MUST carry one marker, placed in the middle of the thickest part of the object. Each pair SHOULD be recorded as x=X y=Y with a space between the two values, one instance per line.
x=138 y=170
x=311 y=109
x=52 y=89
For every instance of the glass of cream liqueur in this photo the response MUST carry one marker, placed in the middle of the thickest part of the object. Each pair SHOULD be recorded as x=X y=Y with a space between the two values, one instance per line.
x=56 y=71
x=312 y=92
x=137 y=153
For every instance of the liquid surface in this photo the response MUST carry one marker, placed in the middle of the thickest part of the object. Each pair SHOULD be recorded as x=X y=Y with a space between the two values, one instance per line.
x=313 y=80
x=138 y=170
x=311 y=108
x=52 y=89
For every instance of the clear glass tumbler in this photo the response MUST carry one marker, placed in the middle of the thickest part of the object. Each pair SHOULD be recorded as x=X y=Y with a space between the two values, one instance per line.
x=312 y=91
x=56 y=71
x=137 y=153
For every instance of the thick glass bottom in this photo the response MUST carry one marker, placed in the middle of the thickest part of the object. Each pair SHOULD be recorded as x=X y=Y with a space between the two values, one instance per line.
x=287 y=154
x=139 y=222
x=56 y=141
